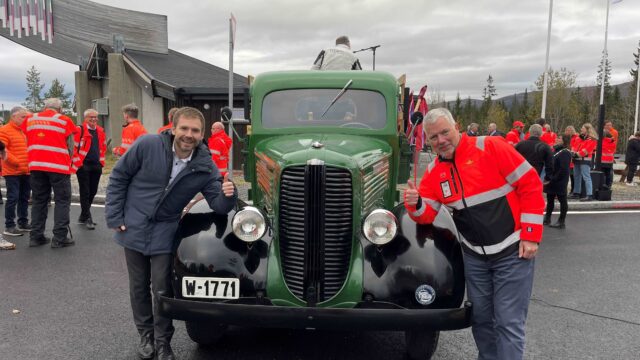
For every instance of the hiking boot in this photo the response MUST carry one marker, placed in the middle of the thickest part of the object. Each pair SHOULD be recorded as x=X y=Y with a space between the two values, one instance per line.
x=24 y=227
x=12 y=231
x=39 y=241
x=146 y=349
x=165 y=352
x=5 y=245
x=55 y=243
x=90 y=224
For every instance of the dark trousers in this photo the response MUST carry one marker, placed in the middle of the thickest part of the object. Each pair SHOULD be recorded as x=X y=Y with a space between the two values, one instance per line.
x=88 y=179
x=41 y=184
x=564 y=206
x=633 y=167
x=607 y=170
x=144 y=271
x=18 y=191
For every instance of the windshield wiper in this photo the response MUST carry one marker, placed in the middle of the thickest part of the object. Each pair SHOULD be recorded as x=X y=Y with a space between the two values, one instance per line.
x=344 y=90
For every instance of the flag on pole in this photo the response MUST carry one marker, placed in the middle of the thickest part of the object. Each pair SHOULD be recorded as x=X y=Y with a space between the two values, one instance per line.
x=24 y=13
x=33 y=17
x=41 y=19
x=49 y=22
x=233 y=31
x=10 y=5
x=3 y=13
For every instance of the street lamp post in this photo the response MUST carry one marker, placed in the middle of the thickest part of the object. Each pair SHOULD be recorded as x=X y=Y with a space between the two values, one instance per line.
x=603 y=80
x=546 y=64
x=635 y=126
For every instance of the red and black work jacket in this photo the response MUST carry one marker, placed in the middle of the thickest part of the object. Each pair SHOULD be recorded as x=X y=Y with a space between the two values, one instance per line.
x=82 y=144
x=584 y=147
x=47 y=147
x=493 y=192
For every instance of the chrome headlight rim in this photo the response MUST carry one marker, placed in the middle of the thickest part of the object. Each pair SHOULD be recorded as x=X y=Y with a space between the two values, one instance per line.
x=393 y=221
x=236 y=224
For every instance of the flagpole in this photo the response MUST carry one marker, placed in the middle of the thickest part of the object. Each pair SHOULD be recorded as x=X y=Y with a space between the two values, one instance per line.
x=635 y=126
x=603 y=79
x=546 y=63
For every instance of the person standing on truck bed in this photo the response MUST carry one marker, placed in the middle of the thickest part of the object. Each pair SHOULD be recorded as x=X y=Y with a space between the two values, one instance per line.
x=339 y=57
x=496 y=199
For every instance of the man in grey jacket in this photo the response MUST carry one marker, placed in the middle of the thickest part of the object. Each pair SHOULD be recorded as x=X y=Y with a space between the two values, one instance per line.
x=148 y=189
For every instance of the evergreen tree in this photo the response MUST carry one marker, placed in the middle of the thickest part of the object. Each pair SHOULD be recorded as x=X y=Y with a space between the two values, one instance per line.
x=634 y=71
x=457 y=108
x=515 y=108
x=488 y=93
x=607 y=78
x=525 y=105
x=56 y=90
x=33 y=101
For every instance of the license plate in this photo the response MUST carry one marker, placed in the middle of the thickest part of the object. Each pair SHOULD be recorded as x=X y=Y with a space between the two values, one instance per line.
x=210 y=288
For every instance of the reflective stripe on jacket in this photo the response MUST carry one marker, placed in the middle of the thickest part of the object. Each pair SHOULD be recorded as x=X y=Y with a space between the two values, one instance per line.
x=82 y=146
x=130 y=133
x=47 y=134
x=493 y=192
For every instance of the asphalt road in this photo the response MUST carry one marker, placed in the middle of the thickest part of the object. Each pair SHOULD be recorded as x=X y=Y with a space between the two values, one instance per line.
x=74 y=304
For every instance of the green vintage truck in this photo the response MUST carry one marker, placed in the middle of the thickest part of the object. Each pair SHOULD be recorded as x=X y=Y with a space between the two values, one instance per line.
x=324 y=242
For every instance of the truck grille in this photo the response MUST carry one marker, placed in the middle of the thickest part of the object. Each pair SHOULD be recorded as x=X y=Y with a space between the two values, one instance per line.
x=315 y=230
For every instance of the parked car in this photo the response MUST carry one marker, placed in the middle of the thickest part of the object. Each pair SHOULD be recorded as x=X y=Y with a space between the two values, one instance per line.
x=324 y=242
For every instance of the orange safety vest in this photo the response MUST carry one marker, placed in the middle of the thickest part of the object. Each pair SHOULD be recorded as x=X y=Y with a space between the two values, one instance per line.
x=219 y=145
x=608 y=149
x=83 y=145
x=47 y=134
x=130 y=133
x=584 y=148
x=494 y=193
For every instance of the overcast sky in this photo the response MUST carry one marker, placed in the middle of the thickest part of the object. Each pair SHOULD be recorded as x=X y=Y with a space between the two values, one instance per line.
x=452 y=46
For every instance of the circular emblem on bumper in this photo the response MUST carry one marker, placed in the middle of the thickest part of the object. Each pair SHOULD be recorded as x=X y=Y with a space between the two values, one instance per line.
x=425 y=294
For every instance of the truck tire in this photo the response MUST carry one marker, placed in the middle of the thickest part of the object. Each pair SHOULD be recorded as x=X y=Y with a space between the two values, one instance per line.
x=204 y=333
x=421 y=345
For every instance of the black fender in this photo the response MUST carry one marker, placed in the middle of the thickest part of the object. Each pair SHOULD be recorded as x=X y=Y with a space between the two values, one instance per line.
x=419 y=254
x=207 y=247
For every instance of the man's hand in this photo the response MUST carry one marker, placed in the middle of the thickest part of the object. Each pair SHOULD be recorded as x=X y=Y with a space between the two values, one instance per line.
x=411 y=195
x=121 y=228
x=528 y=249
x=227 y=186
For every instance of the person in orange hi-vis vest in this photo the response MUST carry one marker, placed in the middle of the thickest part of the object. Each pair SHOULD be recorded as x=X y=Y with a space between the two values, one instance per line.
x=47 y=135
x=609 y=145
x=132 y=129
x=608 y=125
x=220 y=144
x=170 y=124
x=496 y=199
x=89 y=152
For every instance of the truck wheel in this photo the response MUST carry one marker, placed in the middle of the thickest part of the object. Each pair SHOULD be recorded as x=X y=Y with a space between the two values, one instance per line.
x=421 y=345
x=205 y=333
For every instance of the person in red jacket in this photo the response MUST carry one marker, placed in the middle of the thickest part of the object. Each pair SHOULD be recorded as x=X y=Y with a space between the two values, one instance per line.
x=220 y=144
x=571 y=132
x=582 y=152
x=169 y=126
x=496 y=199
x=609 y=145
x=515 y=135
x=132 y=129
x=90 y=147
x=548 y=136
x=47 y=133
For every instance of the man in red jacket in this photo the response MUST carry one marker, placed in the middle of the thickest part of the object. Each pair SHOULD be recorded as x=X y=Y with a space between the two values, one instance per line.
x=89 y=152
x=515 y=135
x=131 y=130
x=496 y=199
x=219 y=144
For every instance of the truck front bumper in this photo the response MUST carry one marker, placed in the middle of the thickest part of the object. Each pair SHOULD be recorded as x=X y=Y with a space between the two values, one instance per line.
x=362 y=317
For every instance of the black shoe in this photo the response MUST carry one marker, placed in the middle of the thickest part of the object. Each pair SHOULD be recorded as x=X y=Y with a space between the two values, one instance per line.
x=12 y=231
x=62 y=243
x=558 y=225
x=165 y=352
x=546 y=221
x=39 y=241
x=574 y=196
x=82 y=220
x=146 y=349
x=24 y=227
x=588 y=198
x=90 y=224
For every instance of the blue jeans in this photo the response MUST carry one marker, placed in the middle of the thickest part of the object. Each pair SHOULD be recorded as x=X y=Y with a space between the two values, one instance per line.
x=582 y=171
x=500 y=291
x=18 y=191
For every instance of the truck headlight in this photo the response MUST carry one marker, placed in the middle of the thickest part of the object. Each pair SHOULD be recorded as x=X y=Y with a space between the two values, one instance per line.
x=248 y=224
x=380 y=226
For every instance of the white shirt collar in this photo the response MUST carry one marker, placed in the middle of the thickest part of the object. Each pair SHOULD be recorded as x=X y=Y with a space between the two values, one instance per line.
x=175 y=156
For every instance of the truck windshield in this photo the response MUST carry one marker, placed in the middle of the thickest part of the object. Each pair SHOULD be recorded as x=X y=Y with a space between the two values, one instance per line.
x=363 y=109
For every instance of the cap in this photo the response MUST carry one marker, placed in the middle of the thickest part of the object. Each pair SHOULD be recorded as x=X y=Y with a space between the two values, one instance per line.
x=518 y=124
